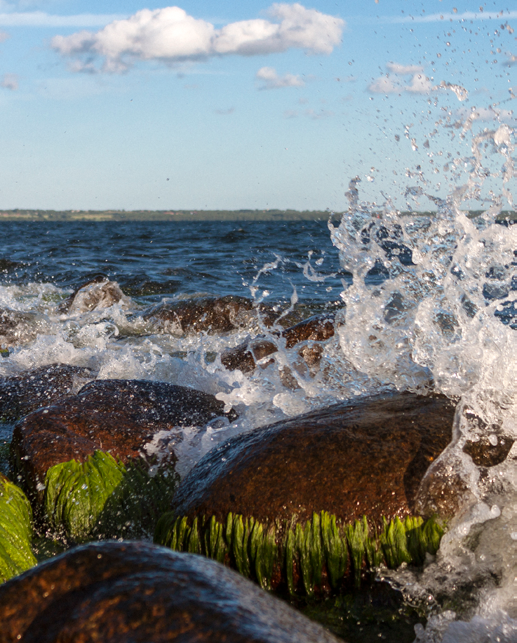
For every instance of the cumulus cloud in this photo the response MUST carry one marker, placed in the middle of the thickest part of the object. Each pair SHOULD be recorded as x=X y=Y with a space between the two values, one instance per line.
x=271 y=80
x=485 y=114
x=9 y=81
x=393 y=83
x=171 y=36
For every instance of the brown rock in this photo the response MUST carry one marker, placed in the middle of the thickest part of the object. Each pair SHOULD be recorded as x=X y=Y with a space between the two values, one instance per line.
x=318 y=328
x=208 y=315
x=95 y=294
x=22 y=394
x=486 y=454
x=120 y=592
x=365 y=457
x=118 y=416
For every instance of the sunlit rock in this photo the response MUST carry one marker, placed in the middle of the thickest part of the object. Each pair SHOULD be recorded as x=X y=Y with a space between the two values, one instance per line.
x=71 y=457
x=318 y=328
x=142 y=593
x=208 y=315
x=33 y=389
x=356 y=466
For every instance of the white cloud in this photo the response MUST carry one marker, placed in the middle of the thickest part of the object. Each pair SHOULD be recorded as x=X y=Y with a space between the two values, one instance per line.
x=486 y=114
x=456 y=17
x=271 y=80
x=9 y=81
x=404 y=70
x=392 y=84
x=170 y=35
x=43 y=19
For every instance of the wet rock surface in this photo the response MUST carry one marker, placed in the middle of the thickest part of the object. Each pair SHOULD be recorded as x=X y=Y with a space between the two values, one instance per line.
x=109 y=592
x=208 y=315
x=366 y=457
x=17 y=327
x=317 y=328
x=95 y=294
x=486 y=453
x=34 y=389
x=115 y=416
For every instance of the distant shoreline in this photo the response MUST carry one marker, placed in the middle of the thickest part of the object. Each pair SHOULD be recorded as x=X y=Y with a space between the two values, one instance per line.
x=191 y=215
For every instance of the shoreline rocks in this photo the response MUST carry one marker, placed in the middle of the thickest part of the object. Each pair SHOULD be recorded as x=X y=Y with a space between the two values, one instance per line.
x=140 y=592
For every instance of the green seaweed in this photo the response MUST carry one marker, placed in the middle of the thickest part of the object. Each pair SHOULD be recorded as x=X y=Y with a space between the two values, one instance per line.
x=102 y=498
x=320 y=551
x=16 y=555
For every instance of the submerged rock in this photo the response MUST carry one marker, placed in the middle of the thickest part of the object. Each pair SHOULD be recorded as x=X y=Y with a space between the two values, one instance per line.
x=21 y=394
x=136 y=592
x=72 y=456
x=317 y=328
x=363 y=457
x=17 y=327
x=207 y=315
x=16 y=554
x=95 y=294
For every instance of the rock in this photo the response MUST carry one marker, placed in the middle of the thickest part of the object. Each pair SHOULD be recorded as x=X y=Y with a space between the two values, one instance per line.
x=16 y=554
x=95 y=294
x=24 y=393
x=72 y=456
x=17 y=327
x=207 y=315
x=317 y=328
x=108 y=592
x=308 y=503
x=364 y=457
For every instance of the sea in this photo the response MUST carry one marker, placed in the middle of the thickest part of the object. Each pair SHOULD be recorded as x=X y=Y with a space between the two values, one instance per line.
x=422 y=301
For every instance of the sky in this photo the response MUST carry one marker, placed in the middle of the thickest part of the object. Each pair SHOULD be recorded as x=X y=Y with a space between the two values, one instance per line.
x=255 y=105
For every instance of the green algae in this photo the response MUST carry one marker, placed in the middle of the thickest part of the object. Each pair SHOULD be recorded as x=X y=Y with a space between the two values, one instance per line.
x=103 y=498
x=308 y=556
x=16 y=554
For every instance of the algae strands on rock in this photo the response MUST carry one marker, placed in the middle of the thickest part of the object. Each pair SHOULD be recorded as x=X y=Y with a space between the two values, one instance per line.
x=103 y=498
x=321 y=554
x=16 y=554
x=139 y=592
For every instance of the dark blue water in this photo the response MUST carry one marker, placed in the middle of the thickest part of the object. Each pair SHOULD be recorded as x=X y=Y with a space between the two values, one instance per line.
x=151 y=260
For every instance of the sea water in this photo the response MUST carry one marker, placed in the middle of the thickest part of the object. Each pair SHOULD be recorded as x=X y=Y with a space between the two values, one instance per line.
x=421 y=301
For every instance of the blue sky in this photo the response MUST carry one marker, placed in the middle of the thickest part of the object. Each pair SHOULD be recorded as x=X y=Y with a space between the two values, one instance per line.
x=229 y=105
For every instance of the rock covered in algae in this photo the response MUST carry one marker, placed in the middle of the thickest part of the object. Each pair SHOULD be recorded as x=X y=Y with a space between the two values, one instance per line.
x=16 y=554
x=115 y=416
x=21 y=394
x=366 y=457
x=137 y=592
x=317 y=557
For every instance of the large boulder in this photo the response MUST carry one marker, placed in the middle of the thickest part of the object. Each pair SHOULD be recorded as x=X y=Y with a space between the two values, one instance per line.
x=207 y=315
x=21 y=394
x=72 y=456
x=114 y=592
x=319 y=488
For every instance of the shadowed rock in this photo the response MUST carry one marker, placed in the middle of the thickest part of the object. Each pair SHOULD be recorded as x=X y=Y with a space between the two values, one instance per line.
x=17 y=327
x=115 y=416
x=318 y=328
x=21 y=394
x=137 y=592
x=366 y=457
x=208 y=315
x=95 y=294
